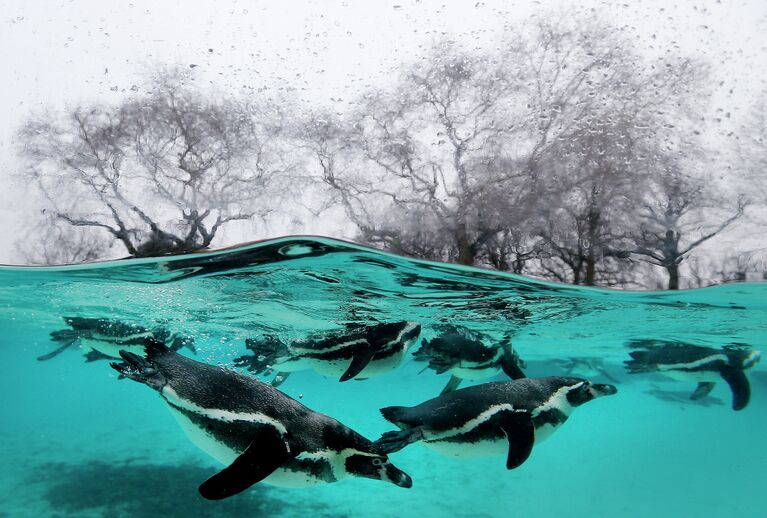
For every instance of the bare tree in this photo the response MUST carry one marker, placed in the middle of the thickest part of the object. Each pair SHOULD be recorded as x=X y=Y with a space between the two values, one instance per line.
x=623 y=111
x=499 y=158
x=752 y=147
x=679 y=213
x=53 y=242
x=161 y=173
x=595 y=180
x=429 y=154
x=512 y=249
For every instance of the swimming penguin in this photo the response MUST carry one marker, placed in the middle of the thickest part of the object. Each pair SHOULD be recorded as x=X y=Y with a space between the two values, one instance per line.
x=463 y=353
x=359 y=351
x=258 y=432
x=491 y=418
x=101 y=338
x=705 y=365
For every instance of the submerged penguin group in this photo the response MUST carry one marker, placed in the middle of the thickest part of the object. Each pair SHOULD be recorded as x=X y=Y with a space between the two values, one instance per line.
x=261 y=434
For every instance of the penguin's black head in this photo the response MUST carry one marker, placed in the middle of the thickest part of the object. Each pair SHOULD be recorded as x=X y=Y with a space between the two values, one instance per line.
x=742 y=357
x=410 y=332
x=585 y=391
x=377 y=467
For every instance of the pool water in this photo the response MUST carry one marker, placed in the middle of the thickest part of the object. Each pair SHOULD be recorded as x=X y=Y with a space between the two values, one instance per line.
x=77 y=441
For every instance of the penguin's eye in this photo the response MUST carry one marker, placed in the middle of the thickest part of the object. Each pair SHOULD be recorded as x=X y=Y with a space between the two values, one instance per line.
x=378 y=462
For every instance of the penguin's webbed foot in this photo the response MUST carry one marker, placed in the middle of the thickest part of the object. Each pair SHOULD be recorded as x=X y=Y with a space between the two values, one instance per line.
x=393 y=441
x=139 y=369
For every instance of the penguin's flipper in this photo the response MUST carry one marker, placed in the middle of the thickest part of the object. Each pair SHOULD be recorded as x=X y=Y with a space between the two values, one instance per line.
x=360 y=360
x=741 y=390
x=703 y=389
x=452 y=384
x=280 y=378
x=267 y=452
x=510 y=364
x=94 y=355
x=441 y=367
x=56 y=351
x=188 y=342
x=520 y=431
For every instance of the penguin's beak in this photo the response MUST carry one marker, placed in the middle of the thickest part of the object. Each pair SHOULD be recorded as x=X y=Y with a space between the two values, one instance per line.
x=603 y=389
x=398 y=477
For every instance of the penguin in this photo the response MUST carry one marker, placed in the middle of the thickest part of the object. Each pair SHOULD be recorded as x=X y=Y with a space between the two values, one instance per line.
x=101 y=338
x=463 y=354
x=258 y=432
x=359 y=352
x=492 y=418
x=704 y=365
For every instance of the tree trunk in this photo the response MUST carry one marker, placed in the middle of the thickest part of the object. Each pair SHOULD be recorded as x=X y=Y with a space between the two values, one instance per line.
x=577 y=272
x=519 y=265
x=673 y=276
x=591 y=268
x=594 y=221
x=465 y=250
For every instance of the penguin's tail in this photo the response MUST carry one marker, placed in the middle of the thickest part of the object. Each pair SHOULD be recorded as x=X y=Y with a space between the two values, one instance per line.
x=183 y=341
x=437 y=360
x=143 y=370
x=266 y=353
x=175 y=341
x=396 y=415
x=154 y=348
x=639 y=362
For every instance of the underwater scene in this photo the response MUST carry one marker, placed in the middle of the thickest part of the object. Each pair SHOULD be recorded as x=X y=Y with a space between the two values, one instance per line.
x=387 y=387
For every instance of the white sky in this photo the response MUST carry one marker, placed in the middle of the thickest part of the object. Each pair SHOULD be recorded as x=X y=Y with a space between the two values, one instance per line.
x=63 y=53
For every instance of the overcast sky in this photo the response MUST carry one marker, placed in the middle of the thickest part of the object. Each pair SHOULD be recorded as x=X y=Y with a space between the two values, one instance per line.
x=63 y=53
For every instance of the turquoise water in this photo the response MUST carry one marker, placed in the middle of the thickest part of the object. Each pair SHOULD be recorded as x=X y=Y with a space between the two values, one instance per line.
x=76 y=441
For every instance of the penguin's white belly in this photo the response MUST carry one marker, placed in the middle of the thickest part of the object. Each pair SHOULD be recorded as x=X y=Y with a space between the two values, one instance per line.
x=475 y=374
x=382 y=366
x=544 y=431
x=489 y=448
x=203 y=440
x=697 y=376
x=293 y=364
x=335 y=368
x=329 y=368
x=226 y=455
x=286 y=478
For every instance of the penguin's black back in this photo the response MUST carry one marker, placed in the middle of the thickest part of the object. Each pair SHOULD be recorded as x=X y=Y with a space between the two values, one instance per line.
x=370 y=333
x=211 y=387
x=457 y=347
x=460 y=406
x=673 y=354
x=104 y=326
